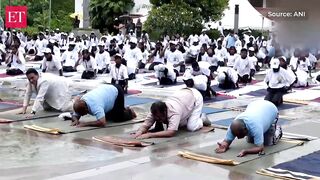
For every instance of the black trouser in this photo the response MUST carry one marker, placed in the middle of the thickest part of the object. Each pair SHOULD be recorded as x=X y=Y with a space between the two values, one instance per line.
x=38 y=58
x=132 y=76
x=87 y=75
x=68 y=69
x=141 y=65
x=275 y=95
x=213 y=69
x=318 y=78
x=152 y=65
x=14 y=72
x=166 y=81
x=245 y=79
x=121 y=83
x=103 y=70
x=119 y=113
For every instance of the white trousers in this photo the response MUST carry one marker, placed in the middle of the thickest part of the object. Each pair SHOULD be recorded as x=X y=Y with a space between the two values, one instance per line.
x=195 y=122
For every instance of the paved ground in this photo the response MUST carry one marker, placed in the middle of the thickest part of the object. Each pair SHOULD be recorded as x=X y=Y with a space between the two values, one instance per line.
x=32 y=155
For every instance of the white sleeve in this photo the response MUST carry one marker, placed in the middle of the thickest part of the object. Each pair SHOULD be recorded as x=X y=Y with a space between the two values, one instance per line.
x=43 y=88
x=57 y=63
x=125 y=72
x=27 y=95
x=267 y=78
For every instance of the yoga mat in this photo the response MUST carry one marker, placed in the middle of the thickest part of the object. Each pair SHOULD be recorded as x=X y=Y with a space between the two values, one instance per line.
x=219 y=97
x=258 y=93
x=4 y=75
x=304 y=167
x=237 y=146
x=217 y=89
x=58 y=126
x=286 y=106
x=227 y=122
x=210 y=110
x=162 y=86
x=316 y=100
x=5 y=106
x=13 y=116
x=132 y=92
x=133 y=100
x=127 y=141
x=307 y=128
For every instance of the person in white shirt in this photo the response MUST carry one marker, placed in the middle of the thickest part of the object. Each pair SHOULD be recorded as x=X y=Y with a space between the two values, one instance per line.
x=228 y=78
x=204 y=38
x=194 y=49
x=89 y=64
x=132 y=56
x=253 y=58
x=174 y=57
x=165 y=74
x=40 y=45
x=221 y=52
x=232 y=57
x=213 y=60
x=221 y=29
x=51 y=62
x=15 y=61
x=119 y=73
x=301 y=77
x=157 y=56
x=279 y=81
x=53 y=93
x=69 y=58
x=145 y=56
x=103 y=59
x=202 y=56
x=244 y=67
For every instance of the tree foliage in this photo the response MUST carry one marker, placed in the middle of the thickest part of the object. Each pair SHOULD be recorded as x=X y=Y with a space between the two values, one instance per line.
x=210 y=9
x=38 y=13
x=174 y=18
x=104 y=12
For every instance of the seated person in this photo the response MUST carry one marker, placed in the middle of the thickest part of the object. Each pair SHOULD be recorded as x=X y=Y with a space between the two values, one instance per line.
x=244 y=67
x=89 y=64
x=258 y=123
x=165 y=74
x=228 y=78
x=301 y=77
x=182 y=109
x=279 y=81
x=119 y=73
x=15 y=61
x=106 y=102
x=52 y=92
x=51 y=63
x=69 y=58
x=199 y=82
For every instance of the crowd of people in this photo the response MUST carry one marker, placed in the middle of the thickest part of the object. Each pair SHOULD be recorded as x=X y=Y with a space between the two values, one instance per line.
x=198 y=59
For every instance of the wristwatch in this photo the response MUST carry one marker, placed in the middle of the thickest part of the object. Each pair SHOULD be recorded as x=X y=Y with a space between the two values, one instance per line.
x=33 y=112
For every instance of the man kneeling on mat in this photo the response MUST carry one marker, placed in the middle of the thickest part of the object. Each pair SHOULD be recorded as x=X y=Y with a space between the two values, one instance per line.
x=258 y=123
x=104 y=102
x=181 y=109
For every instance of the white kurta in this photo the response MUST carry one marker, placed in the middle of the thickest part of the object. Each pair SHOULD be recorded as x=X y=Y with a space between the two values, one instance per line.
x=52 y=89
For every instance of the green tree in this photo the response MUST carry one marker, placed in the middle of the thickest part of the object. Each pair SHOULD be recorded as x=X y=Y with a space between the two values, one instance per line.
x=210 y=9
x=104 y=12
x=173 y=18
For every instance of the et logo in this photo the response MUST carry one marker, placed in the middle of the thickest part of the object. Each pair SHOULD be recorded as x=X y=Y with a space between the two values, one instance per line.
x=16 y=16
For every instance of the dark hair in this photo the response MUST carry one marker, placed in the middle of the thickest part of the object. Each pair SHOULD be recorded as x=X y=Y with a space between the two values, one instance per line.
x=195 y=64
x=158 y=106
x=85 y=51
x=318 y=78
x=189 y=83
x=32 y=70
x=244 y=50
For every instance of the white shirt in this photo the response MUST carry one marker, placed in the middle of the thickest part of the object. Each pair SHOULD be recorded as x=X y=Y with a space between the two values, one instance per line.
x=158 y=59
x=70 y=58
x=204 y=69
x=194 y=50
x=232 y=74
x=52 y=89
x=243 y=66
x=52 y=66
x=213 y=61
x=221 y=53
x=253 y=59
x=232 y=59
x=120 y=73
x=89 y=65
x=18 y=65
x=159 y=72
x=41 y=45
x=204 y=39
x=278 y=79
x=102 y=60
x=145 y=56
x=132 y=56
x=173 y=58
x=200 y=82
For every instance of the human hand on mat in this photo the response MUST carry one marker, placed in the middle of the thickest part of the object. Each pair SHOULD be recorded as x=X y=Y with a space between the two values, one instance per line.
x=29 y=116
x=223 y=147
x=75 y=123
x=242 y=153
x=144 y=136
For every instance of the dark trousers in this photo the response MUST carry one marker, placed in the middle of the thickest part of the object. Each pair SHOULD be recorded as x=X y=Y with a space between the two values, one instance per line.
x=119 y=113
x=103 y=70
x=244 y=79
x=68 y=69
x=87 y=75
x=167 y=81
x=141 y=65
x=121 y=83
x=38 y=58
x=14 y=72
x=152 y=65
x=275 y=96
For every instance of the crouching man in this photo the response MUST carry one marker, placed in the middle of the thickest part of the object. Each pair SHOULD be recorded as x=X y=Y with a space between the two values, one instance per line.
x=258 y=123
x=182 y=109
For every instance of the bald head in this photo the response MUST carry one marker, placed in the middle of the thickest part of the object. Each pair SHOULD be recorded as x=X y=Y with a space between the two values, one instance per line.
x=80 y=107
x=238 y=128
